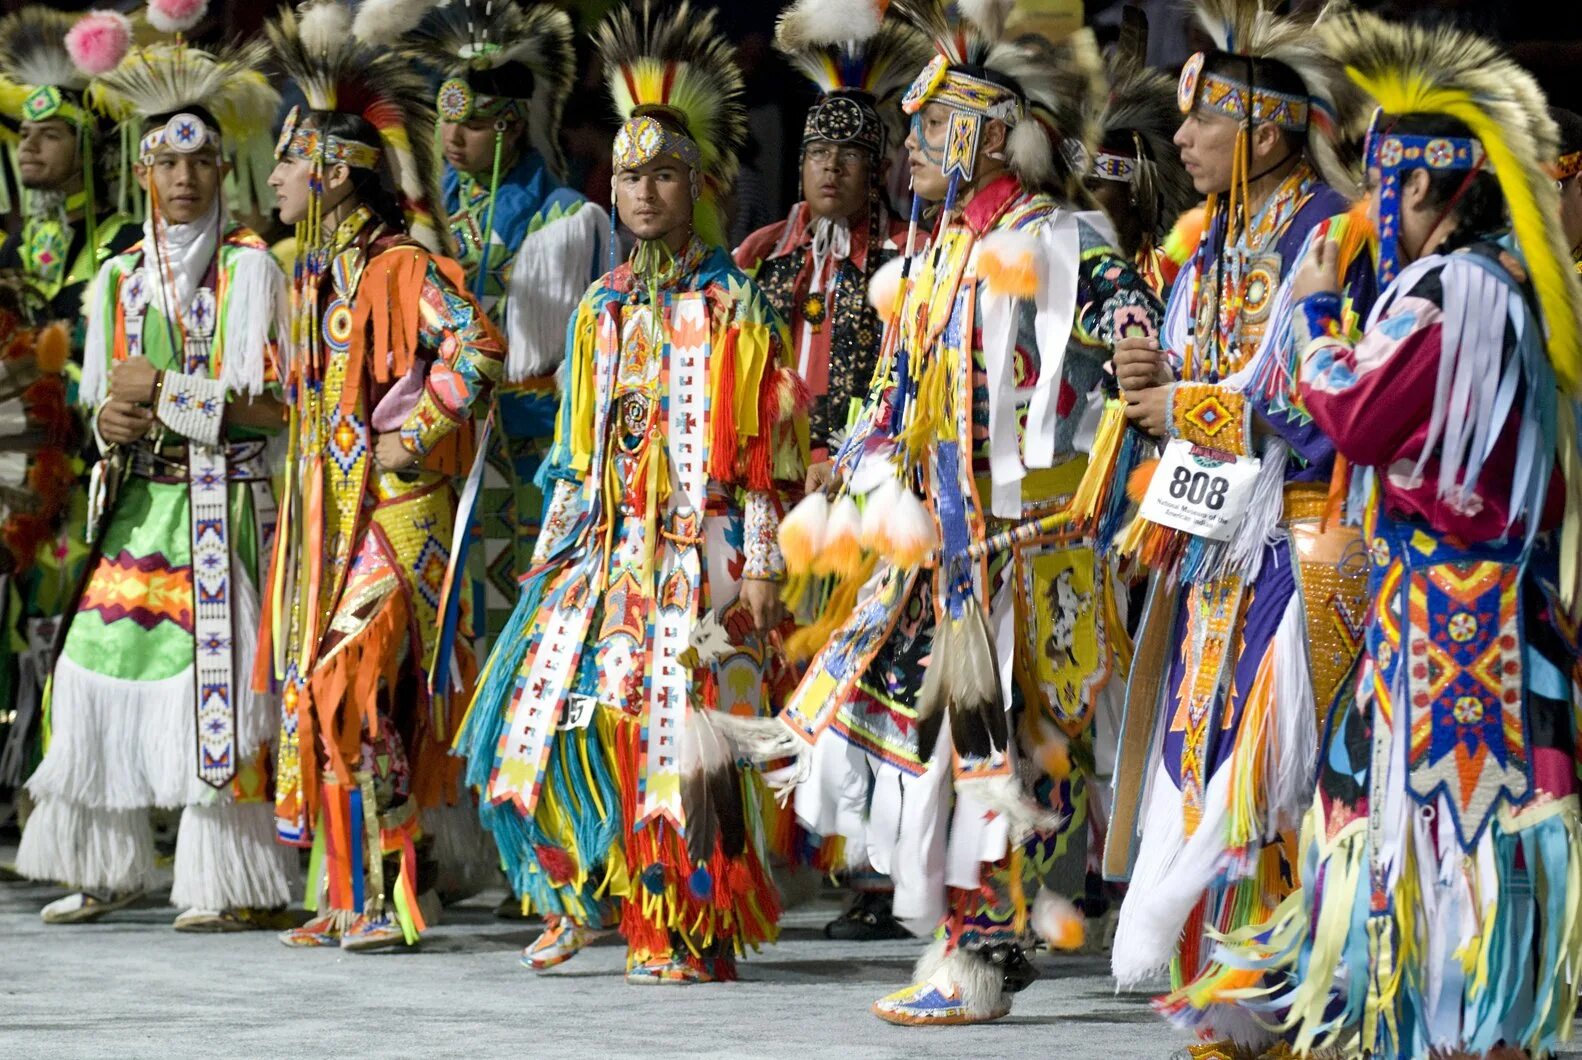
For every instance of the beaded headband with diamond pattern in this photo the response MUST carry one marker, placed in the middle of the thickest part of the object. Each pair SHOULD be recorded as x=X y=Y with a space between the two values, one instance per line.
x=1216 y=94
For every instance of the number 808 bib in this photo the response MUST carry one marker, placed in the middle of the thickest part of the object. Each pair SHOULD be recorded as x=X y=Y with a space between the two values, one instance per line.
x=1203 y=492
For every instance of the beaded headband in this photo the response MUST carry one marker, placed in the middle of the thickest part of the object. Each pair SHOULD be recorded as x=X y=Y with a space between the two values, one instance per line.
x=1394 y=154
x=313 y=146
x=458 y=101
x=842 y=118
x=1567 y=166
x=1120 y=168
x=1217 y=94
x=183 y=133
x=47 y=102
x=644 y=139
x=938 y=83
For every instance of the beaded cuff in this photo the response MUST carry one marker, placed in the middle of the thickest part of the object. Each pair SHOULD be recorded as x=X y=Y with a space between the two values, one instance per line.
x=761 y=539
x=193 y=406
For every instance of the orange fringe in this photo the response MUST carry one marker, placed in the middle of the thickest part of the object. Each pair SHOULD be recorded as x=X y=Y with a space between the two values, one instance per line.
x=344 y=690
x=1140 y=479
x=386 y=317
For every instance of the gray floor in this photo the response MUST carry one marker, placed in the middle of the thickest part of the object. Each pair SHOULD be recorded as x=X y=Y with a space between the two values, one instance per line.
x=131 y=987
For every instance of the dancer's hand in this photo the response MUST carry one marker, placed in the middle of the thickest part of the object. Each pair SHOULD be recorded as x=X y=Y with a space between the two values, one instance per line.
x=762 y=600
x=123 y=422
x=1319 y=273
x=391 y=454
x=133 y=380
x=820 y=475
x=1140 y=363
x=1149 y=409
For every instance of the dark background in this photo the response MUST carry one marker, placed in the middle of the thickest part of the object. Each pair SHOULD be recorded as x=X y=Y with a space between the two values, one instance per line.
x=1544 y=35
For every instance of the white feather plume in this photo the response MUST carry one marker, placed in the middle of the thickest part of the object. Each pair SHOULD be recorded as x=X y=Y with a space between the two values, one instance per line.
x=990 y=16
x=385 y=22
x=325 y=26
x=811 y=23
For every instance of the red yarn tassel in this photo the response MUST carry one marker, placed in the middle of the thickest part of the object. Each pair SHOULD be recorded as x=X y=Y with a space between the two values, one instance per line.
x=722 y=411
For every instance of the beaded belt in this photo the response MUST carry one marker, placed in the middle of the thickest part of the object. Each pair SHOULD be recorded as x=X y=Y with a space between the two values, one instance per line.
x=168 y=464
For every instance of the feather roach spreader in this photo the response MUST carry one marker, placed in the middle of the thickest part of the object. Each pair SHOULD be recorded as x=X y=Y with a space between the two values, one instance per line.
x=676 y=64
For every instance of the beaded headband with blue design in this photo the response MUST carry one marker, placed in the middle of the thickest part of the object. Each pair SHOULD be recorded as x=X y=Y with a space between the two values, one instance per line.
x=183 y=133
x=1396 y=153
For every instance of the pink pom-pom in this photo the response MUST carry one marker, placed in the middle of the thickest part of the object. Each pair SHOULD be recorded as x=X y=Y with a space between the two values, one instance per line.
x=175 y=16
x=99 y=41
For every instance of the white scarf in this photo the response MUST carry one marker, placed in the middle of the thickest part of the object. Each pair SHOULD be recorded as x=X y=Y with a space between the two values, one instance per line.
x=182 y=254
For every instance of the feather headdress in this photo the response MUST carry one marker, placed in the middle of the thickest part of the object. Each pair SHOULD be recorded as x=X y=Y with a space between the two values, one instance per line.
x=1044 y=91
x=674 y=65
x=1331 y=110
x=677 y=62
x=33 y=49
x=1413 y=70
x=860 y=63
x=36 y=55
x=497 y=56
x=339 y=72
x=176 y=79
x=1137 y=122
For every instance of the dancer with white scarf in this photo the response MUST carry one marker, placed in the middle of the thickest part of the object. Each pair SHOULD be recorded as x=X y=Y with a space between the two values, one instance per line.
x=151 y=701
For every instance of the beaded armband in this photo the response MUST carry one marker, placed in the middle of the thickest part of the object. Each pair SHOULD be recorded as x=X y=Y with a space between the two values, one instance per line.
x=1214 y=417
x=193 y=406
x=761 y=540
x=427 y=425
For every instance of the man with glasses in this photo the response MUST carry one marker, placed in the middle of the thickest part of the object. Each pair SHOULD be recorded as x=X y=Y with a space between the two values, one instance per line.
x=815 y=266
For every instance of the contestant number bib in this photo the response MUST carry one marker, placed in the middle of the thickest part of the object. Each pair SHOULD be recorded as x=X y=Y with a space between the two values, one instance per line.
x=1203 y=492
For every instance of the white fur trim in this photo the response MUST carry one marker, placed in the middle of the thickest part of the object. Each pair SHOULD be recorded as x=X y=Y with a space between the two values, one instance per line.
x=95 y=383
x=227 y=858
x=257 y=306
x=98 y=850
x=979 y=984
x=1291 y=759
x=552 y=271
x=1170 y=876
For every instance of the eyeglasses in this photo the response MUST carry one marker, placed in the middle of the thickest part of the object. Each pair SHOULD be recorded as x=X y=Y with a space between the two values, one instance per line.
x=830 y=155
